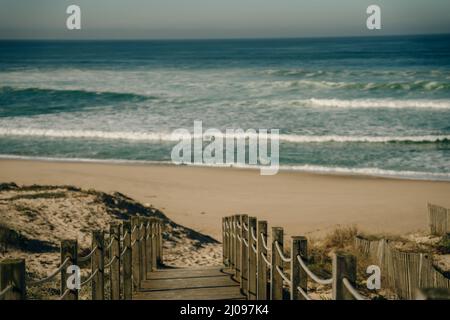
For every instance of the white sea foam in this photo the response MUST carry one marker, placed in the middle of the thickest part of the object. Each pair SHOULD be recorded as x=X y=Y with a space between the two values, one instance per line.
x=379 y=103
x=162 y=136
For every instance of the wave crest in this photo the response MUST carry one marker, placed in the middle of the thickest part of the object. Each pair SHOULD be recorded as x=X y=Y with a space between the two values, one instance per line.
x=169 y=137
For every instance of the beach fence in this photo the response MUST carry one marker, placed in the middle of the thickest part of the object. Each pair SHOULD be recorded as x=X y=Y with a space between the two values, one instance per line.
x=266 y=272
x=403 y=272
x=439 y=220
x=119 y=260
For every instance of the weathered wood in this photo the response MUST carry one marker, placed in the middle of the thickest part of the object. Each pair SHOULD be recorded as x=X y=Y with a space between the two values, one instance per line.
x=222 y=280
x=344 y=266
x=114 y=269
x=224 y=242
x=160 y=259
x=238 y=248
x=12 y=272
x=234 y=245
x=251 y=258
x=153 y=254
x=187 y=273
x=439 y=220
x=127 y=262
x=97 y=265
x=244 y=254
x=229 y=242
x=148 y=245
x=135 y=252
x=142 y=248
x=276 y=287
x=298 y=275
x=69 y=250
x=186 y=284
x=261 y=265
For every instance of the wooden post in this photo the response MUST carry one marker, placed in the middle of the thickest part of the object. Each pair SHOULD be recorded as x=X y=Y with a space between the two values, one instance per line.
x=98 y=263
x=151 y=244
x=298 y=275
x=261 y=268
x=148 y=244
x=276 y=281
x=114 y=253
x=160 y=242
x=142 y=248
x=228 y=242
x=69 y=249
x=344 y=266
x=127 y=262
x=238 y=248
x=244 y=254
x=224 y=242
x=135 y=252
x=252 y=243
x=233 y=243
x=12 y=272
x=154 y=243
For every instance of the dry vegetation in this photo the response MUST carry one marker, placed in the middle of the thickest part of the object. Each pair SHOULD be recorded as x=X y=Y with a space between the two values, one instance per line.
x=34 y=219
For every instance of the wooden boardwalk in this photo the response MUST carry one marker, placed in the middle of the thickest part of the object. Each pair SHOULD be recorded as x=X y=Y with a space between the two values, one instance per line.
x=203 y=283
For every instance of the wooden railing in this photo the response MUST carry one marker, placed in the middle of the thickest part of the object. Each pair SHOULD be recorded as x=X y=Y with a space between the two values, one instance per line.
x=264 y=270
x=127 y=253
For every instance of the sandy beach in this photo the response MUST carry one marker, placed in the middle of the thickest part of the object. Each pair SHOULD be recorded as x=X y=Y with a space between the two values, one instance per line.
x=309 y=204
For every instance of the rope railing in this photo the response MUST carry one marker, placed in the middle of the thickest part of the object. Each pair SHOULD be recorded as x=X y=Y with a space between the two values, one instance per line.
x=266 y=260
x=281 y=273
x=263 y=242
x=352 y=290
x=303 y=293
x=110 y=244
x=281 y=254
x=253 y=234
x=141 y=240
x=246 y=251
x=89 y=279
x=124 y=251
x=109 y=264
x=6 y=290
x=64 y=295
x=125 y=234
x=88 y=256
x=51 y=276
x=311 y=274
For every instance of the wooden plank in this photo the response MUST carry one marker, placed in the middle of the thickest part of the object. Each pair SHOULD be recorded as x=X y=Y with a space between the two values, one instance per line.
x=182 y=273
x=210 y=283
x=184 y=283
x=218 y=293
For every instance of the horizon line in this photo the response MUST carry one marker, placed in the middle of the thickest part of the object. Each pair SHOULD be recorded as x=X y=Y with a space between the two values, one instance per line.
x=229 y=38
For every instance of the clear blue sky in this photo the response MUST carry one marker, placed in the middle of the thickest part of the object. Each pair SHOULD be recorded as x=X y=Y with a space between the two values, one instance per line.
x=155 y=19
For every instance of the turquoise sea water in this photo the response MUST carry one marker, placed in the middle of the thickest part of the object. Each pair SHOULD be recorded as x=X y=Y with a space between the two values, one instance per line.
x=377 y=106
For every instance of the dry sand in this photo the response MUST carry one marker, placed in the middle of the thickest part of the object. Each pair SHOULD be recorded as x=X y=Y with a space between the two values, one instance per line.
x=34 y=220
x=309 y=204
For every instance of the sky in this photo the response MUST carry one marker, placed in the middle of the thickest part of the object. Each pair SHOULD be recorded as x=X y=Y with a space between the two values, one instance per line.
x=184 y=19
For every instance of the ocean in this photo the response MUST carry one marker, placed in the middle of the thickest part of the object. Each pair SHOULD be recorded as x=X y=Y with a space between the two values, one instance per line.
x=362 y=105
